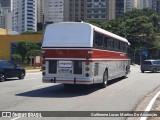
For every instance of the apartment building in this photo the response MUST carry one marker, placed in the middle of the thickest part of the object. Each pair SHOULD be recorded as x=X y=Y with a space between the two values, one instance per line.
x=120 y=8
x=1 y=17
x=129 y=5
x=5 y=15
x=53 y=11
x=99 y=10
x=24 y=15
x=75 y=10
x=158 y=7
x=40 y=9
x=6 y=5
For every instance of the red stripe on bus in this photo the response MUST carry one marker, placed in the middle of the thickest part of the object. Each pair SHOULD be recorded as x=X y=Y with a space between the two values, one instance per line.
x=74 y=53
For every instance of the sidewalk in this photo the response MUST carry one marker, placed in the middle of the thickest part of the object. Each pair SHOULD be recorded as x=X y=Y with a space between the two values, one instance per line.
x=145 y=102
x=155 y=107
x=33 y=70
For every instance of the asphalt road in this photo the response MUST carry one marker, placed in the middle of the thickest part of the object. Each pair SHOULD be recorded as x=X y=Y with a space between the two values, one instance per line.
x=31 y=94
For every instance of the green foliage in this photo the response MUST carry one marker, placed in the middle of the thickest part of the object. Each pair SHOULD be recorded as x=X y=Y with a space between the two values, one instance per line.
x=29 y=33
x=26 y=49
x=33 y=53
x=34 y=50
x=23 y=48
x=16 y=56
x=139 y=26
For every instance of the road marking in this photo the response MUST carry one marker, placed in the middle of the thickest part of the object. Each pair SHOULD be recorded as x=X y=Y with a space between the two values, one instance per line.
x=150 y=105
x=16 y=118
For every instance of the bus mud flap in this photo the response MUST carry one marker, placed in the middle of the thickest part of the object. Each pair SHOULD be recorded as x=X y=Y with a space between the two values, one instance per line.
x=54 y=79
x=74 y=80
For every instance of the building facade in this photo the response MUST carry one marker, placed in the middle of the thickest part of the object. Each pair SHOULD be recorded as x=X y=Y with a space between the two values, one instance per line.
x=6 y=5
x=40 y=9
x=24 y=15
x=53 y=11
x=99 y=10
x=7 y=48
x=120 y=9
x=158 y=7
x=129 y=5
x=5 y=15
x=75 y=10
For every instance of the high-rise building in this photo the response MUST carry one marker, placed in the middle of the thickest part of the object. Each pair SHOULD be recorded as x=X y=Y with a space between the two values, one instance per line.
x=158 y=6
x=1 y=17
x=129 y=5
x=99 y=10
x=24 y=15
x=5 y=14
x=140 y=4
x=6 y=5
x=75 y=10
x=120 y=8
x=53 y=11
x=40 y=9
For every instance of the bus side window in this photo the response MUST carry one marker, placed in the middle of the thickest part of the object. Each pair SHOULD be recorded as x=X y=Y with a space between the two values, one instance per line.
x=125 y=47
x=109 y=43
x=105 y=45
x=115 y=44
x=112 y=44
x=121 y=46
x=98 y=41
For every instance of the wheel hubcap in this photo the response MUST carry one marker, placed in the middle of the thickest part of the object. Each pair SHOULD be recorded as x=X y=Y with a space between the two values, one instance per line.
x=1 y=77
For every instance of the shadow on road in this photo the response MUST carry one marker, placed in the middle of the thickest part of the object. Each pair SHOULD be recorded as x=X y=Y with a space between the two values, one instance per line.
x=59 y=91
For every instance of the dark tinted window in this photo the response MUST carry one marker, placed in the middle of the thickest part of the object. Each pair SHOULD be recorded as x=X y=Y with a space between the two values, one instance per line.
x=147 y=63
x=7 y=64
x=77 y=67
x=158 y=62
x=53 y=66
x=154 y=62
x=98 y=40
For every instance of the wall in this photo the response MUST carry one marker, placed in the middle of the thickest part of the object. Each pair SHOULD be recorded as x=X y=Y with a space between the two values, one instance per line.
x=6 y=40
x=4 y=31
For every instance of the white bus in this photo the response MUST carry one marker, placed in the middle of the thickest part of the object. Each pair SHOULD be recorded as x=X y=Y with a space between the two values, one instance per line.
x=81 y=53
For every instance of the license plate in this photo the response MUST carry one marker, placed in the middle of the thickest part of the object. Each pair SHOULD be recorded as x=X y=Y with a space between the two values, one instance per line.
x=64 y=71
x=65 y=64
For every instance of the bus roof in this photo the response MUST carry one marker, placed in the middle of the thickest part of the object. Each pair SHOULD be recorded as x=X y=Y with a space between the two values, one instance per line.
x=73 y=34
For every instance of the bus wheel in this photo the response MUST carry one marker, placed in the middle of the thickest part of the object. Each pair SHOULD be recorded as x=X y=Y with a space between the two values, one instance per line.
x=105 y=79
x=154 y=70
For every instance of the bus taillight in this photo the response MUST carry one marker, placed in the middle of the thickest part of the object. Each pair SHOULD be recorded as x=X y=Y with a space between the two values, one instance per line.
x=87 y=63
x=87 y=68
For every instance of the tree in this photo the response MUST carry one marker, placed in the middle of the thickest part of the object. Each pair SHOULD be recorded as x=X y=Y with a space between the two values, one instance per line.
x=23 y=48
x=139 y=26
x=34 y=50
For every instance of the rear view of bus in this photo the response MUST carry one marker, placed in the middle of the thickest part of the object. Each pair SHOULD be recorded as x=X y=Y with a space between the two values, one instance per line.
x=70 y=55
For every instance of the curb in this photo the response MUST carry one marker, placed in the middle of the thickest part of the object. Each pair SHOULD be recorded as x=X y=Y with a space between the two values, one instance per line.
x=37 y=70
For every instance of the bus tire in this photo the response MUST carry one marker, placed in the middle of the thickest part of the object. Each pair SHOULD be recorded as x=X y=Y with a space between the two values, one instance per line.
x=126 y=73
x=105 y=79
x=154 y=70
